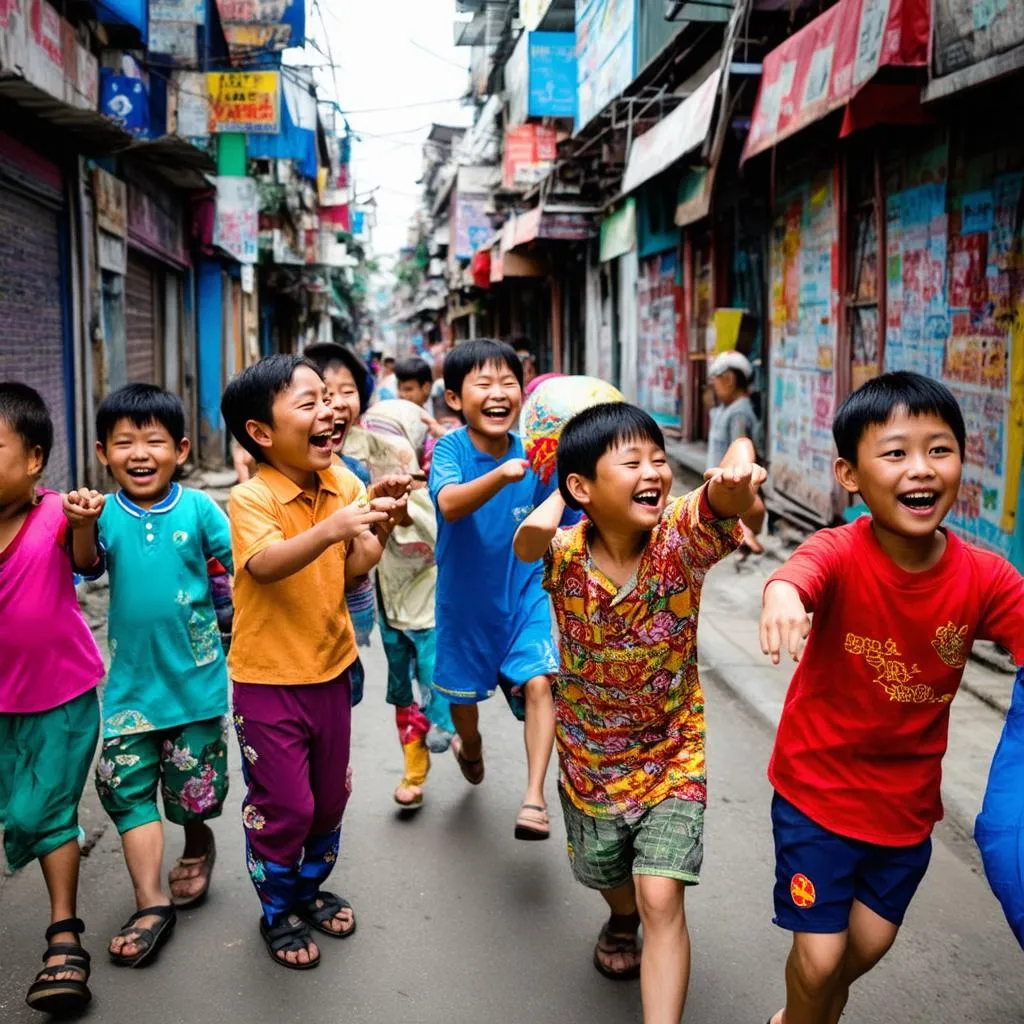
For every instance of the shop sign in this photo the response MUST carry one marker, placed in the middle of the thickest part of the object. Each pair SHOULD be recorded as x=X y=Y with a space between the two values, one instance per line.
x=605 y=54
x=110 y=195
x=236 y=228
x=529 y=154
x=245 y=101
x=188 y=105
x=472 y=225
x=45 y=64
x=552 y=74
x=157 y=226
x=13 y=37
x=262 y=25
x=565 y=227
x=970 y=31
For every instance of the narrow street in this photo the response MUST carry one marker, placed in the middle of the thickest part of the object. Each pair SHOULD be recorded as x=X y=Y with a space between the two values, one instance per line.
x=459 y=923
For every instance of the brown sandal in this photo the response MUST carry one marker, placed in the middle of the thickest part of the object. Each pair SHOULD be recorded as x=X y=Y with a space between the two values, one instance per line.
x=532 y=822
x=208 y=859
x=619 y=936
x=472 y=771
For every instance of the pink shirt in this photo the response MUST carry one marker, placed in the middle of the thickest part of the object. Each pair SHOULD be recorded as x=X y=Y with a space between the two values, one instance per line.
x=49 y=654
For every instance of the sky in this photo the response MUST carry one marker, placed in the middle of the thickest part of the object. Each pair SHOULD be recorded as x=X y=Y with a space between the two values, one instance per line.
x=394 y=59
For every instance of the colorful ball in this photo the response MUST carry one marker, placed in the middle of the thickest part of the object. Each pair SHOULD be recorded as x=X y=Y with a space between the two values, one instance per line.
x=547 y=410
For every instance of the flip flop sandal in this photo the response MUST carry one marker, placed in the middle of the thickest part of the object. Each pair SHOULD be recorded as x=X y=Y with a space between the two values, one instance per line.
x=287 y=938
x=409 y=805
x=317 y=917
x=610 y=944
x=532 y=823
x=62 y=997
x=150 y=939
x=208 y=859
x=472 y=771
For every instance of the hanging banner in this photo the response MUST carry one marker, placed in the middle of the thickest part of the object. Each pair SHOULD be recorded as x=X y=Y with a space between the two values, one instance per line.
x=245 y=101
x=236 y=229
x=262 y=25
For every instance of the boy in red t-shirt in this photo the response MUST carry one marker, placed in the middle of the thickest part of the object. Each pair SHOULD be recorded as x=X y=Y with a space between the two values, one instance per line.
x=897 y=603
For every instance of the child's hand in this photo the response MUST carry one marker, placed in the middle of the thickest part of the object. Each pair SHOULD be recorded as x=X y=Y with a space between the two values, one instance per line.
x=434 y=428
x=739 y=476
x=355 y=520
x=394 y=485
x=784 y=621
x=82 y=508
x=513 y=470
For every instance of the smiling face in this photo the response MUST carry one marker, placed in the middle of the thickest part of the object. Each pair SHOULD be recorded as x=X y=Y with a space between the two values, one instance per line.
x=630 y=488
x=908 y=473
x=143 y=459
x=343 y=398
x=490 y=400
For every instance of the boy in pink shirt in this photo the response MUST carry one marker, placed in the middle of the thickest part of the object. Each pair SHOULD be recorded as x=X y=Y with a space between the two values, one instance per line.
x=49 y=714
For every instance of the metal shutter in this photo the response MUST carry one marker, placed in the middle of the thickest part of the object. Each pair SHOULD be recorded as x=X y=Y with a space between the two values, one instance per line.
x=140 y=321
x=32 y=315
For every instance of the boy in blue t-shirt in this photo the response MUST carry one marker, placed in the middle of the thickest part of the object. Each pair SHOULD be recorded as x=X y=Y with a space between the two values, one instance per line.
x=493 y=617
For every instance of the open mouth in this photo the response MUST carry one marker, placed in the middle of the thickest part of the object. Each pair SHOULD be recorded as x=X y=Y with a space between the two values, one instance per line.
x=141 y=473
x=919 y=501
x=649 y=499
x=498 y=412
x=322 y=440
x=339 y=431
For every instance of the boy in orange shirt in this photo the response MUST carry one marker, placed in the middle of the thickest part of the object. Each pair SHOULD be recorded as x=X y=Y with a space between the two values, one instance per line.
x=300 y=527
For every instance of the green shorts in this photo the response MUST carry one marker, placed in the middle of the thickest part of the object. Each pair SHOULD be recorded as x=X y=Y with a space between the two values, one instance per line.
x=44 y=764
x=188 y=763
x=605 y=853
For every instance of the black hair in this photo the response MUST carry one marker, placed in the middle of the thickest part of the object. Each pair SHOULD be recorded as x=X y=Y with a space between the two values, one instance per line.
x=250 y=396
x=595 y=431
x=23 y=410
x=473 y=355
x=330 y=356
x=874 y=403
x=142 y=405
x=415 y=369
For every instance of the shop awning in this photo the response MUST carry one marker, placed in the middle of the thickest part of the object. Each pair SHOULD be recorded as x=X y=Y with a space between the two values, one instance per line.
x=831 y=62
x=670 y=139
x=552 y=225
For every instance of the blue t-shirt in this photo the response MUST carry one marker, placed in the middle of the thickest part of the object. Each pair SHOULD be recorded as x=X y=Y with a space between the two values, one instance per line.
x=166 y=661
x=485 y=595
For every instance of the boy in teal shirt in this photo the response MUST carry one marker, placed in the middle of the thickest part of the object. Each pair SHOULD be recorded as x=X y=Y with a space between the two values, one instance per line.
x=165 y=701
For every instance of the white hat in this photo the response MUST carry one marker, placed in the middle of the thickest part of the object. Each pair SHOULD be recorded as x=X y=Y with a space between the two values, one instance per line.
x=730 y=361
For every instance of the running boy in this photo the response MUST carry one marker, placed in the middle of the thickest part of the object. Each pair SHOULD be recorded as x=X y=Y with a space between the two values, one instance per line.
x=897 y=603
x=493 y=617
x=626 y=585
x=165 y=701
x=301 y=528
x=49 y=714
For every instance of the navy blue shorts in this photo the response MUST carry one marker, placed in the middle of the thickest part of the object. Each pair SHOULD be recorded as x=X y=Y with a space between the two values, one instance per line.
x=818 y=874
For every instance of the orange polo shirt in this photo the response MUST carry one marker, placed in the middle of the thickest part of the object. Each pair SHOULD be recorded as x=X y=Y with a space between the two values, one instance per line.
x=297 y=630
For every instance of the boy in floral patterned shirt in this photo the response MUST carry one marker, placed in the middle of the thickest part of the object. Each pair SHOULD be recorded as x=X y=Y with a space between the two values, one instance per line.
x=626 y=584
x=166 y=697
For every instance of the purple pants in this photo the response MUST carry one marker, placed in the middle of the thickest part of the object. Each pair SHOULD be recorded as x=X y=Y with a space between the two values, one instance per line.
x=295 y=743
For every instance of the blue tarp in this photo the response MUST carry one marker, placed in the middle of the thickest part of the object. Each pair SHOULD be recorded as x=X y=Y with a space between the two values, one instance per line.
x=297 y=138
x=999 y=830
x=125 y=12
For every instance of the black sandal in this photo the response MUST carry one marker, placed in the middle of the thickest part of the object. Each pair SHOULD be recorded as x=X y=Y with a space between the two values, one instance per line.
x=150 y=939
x=317 y=917
x=288 y=937
x=56 y=996
x=618 y=936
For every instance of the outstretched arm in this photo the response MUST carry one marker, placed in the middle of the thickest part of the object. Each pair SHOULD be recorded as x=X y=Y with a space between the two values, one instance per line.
x=534 y=537
x=733 y=486
x=784 y=621
x=456 y=501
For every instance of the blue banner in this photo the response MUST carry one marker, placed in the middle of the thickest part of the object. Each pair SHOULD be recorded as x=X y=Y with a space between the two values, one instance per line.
x=552 y=74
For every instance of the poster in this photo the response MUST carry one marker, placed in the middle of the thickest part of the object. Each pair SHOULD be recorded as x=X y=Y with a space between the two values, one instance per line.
x=605 y=54
x=244 y=101
x=262 y=25
x=659 y=302
x=236 y=229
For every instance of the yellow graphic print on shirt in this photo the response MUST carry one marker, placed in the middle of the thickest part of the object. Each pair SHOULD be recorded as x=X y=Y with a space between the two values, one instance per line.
x=893 y=674
x=950 y=646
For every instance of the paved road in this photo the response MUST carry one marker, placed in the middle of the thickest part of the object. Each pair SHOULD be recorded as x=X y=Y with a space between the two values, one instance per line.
x=459 y=923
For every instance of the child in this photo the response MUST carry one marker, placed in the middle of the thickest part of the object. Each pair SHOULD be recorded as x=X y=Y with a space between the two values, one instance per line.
x=897 y=602
x=493 y=617
x=49 y=714
x=626 y=585
x=301 y=528
x=406 y=584
x=165 y=701
x=733 y=417
x=415 y=380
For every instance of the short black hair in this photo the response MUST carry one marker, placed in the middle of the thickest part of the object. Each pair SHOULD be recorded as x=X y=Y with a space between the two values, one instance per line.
x=23 y=410
x=472 y=355
x=330 y=356
x=414 y=369
x=594 y=432
x=250 y=396
x=874 y=403
x=141 y=404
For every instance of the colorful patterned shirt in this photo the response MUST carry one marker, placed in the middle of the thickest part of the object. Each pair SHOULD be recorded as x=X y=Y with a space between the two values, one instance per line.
x=628 y=703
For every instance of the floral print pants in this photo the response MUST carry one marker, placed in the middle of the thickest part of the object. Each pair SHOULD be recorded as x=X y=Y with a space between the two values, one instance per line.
x=188 y=763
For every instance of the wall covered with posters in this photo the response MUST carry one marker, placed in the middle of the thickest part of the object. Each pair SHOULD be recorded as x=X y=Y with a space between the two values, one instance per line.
x=659 y=305
x=955 y=309
x=804 y=303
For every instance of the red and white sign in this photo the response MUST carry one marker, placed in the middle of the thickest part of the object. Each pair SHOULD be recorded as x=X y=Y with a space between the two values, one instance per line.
x=530 y=152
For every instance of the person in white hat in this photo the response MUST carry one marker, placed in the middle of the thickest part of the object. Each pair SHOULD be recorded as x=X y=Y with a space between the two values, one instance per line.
x=732 y=417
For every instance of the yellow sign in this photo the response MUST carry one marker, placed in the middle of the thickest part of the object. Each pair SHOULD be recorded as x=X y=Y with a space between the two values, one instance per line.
x=245 y=101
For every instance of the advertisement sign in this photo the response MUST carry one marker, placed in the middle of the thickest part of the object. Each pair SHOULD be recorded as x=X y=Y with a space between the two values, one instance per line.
x=188 y=105
x=970 y=31
x=472 y=225
x=263 y=25
x=659 y=303
x=529 y=154
x=236 y=229
x=605 y=54
x=123 y=98
x=173 y=26
x=244 y=101
x=552 y=78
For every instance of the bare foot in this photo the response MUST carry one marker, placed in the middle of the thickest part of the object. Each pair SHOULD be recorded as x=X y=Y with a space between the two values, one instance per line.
x=408 y=796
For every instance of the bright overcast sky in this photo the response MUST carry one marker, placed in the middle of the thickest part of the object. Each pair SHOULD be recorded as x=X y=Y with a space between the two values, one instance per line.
x=396 y=55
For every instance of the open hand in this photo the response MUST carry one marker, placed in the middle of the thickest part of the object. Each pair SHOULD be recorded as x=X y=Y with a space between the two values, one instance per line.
x=394 y=485
x=784 y=621
x=83 y=507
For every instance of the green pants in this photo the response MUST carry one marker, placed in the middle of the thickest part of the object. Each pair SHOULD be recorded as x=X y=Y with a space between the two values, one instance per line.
x=44 y=764
x=189 y=763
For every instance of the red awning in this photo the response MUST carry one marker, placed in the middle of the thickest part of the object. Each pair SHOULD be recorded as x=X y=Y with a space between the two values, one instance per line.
x=825 y=65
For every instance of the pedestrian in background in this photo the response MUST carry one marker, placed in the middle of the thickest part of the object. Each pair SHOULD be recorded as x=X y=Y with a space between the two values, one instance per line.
x=49 y=712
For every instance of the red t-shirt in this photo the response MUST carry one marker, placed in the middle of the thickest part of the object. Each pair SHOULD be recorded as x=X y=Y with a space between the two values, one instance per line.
x=860 y=743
